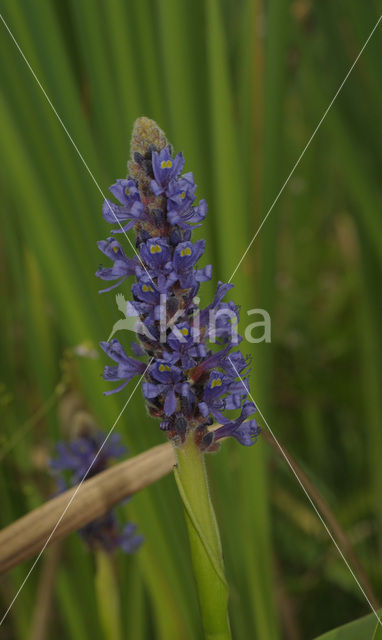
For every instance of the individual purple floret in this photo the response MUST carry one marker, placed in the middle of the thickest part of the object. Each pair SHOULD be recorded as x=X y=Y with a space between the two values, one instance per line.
x=73 y=462
x=193 y=373
x=245 y=431
x=126 y=367
x=165 y=169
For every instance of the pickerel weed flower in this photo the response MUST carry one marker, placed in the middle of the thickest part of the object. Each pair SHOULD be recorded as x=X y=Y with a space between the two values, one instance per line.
x=195 y=373
x=70 y=466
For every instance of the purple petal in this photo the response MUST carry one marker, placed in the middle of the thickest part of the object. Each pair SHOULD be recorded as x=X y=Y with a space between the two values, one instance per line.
x=170 y=402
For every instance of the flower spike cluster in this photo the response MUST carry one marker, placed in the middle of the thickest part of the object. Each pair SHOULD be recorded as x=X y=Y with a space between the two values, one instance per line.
x=71 y=465
x=196 y=374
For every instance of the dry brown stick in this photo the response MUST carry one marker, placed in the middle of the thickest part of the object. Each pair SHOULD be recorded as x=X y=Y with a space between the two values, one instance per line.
x=28 y=535
x=331 y=520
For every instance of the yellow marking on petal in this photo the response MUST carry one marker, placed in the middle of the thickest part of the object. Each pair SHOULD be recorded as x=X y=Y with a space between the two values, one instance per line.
x=216 y=383
x=183 y=195
x=168 y=164
x=127 y=191
x=185 y=252
x=147 y=288
x=184 y=331
x=115 y=249
x=155 y=248
x=164 y=367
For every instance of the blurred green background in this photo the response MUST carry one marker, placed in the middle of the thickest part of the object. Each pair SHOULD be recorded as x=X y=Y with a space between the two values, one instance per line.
x=239 y=86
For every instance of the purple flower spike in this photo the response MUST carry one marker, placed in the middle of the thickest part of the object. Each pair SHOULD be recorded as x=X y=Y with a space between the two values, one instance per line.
x=84 y=458
x=196 y=373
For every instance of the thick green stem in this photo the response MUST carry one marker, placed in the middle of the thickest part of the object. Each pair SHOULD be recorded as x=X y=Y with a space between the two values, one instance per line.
x=107 y=593
x=203 y=531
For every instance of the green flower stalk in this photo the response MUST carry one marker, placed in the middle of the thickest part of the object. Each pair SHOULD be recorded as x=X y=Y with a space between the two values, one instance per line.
x=107 y=595
x=203 y=531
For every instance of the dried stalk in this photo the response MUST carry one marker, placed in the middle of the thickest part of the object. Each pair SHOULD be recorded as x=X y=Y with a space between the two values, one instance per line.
x=28 y=535
x=331 y=520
